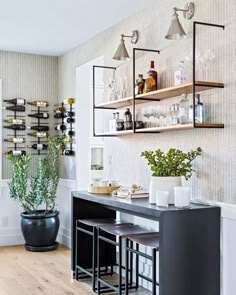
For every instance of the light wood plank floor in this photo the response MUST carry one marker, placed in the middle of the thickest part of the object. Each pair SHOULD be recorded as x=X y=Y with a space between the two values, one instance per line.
x=27 y=273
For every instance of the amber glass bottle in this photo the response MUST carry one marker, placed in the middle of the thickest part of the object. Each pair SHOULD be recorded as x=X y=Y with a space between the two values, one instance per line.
x=151 y=81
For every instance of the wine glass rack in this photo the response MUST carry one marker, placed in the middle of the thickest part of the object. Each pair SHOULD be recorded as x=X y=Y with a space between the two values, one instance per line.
x=39 y=142
x=67 y=128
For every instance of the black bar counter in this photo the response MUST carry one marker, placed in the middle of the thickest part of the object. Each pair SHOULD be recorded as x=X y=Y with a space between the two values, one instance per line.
x=189 y=252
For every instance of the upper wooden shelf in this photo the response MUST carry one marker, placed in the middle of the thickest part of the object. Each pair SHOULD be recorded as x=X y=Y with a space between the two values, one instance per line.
x=161 y=94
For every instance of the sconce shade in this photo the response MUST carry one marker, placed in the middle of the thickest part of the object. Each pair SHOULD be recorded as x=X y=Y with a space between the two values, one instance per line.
x=176 y=30
x=121 y=52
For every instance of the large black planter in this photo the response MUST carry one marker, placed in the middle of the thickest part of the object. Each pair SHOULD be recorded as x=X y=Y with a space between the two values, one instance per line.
x=40 y=230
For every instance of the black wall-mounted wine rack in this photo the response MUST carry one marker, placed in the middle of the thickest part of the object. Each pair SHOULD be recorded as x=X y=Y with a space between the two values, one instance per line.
x=15 y=146
x=67 y=151
x=39 y=140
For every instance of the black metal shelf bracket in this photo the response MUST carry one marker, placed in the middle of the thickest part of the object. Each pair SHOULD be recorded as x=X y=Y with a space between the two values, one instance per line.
x=195 y=24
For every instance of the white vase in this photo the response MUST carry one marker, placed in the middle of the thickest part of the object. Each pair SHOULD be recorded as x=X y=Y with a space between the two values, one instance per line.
x=163 y=184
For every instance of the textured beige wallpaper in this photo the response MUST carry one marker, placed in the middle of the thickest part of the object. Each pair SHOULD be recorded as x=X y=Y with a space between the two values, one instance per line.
x=32 y=77
x=216 y=177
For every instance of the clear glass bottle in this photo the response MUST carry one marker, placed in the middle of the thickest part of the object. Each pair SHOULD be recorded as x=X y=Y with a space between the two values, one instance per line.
x=181 y=74
x=199 y=110
x=174 y=114
x=184 y=110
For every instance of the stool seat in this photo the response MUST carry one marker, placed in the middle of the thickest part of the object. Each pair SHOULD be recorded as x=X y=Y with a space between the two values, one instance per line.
x=149 y=240
x=98 y=222
x=125 y=230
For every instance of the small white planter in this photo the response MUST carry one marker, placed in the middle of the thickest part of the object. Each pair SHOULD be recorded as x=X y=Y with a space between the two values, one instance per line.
x=163 y=184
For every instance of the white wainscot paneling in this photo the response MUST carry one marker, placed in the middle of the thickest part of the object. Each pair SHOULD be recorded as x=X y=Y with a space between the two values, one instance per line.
x=64 y=205
x=10 y=232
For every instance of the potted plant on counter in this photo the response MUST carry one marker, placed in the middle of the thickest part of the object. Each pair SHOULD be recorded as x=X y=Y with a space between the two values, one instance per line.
x=39 y=220
x=167 y=170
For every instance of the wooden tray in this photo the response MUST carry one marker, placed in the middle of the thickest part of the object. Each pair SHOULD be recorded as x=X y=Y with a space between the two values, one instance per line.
x=102 y=190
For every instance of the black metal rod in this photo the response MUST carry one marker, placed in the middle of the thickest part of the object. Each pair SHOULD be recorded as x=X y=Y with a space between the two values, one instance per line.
x=84 y=231
x=154 y=271
x=148 y=50
x=133 y=101
x=98 y=263
x=137 y=266
x=147 y=99
x=104 y=67
x=126 y=267
x=104 y=108
x=94 y=259
x=194 y=73
x=140 y=253
x=131 y=263
x=120 y=266
x=108 y=240
x=147 y=278
x=209 y=24
x=94 y=133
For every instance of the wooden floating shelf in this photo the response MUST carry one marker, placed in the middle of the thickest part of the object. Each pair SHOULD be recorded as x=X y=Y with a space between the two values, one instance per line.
x=162 y=129
x=161 y=94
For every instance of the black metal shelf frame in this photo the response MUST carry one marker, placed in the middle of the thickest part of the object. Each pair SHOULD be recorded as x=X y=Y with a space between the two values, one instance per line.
x=195 y=24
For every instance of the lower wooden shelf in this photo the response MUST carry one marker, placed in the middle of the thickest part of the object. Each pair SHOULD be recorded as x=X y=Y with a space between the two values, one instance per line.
x=162 y=129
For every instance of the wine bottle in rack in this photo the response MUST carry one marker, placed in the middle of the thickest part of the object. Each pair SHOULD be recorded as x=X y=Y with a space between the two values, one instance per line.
x=14 y=121
x=69 y=133
x=15 y=101
x=15 y=127
x=15 y=108
x=69 y=100
x=61 y=127
x=38 y=134
x=42 y=115
x=39 y=128
x=68 y=140
x=60 y=110
x=68 y=120
x=68 y=153
x=15 y=140
x=39 y=103
x=38 y=146
x=15 y=153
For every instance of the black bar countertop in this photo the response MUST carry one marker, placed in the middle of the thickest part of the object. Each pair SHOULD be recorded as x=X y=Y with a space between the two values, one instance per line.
x=140 y=207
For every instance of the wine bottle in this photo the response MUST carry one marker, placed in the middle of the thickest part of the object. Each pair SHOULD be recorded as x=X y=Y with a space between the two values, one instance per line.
x=60 y=110
x=69 y=133
x=68 y=140
x=70 y=114
x=39 y=115
x=39 y=103
x=68 y=153
x=15 y=101
x=15 y=127
x=69 y=100
x=15 y=108
x=15 y=140
x=61 y=127
x=38 y=134
x=68 y=120
x=14 y=121
x=38 y=146
x=15 y=153
x=39 y=128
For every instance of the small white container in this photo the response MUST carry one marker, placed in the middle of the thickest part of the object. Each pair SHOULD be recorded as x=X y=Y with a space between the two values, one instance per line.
x=162 y=198
x=182 y=196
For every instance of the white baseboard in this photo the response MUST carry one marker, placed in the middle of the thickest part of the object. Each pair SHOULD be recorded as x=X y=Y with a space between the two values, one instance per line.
x=64 y=237
x=11 y=237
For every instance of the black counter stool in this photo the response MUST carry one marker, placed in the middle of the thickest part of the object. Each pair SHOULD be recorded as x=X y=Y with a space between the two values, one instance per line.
x=120 y=231
x=149 y=240
x=90 y=227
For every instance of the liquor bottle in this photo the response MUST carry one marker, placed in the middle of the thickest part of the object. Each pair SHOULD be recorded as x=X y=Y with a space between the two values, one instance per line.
x=151 y=81
x=38 y=146
x=69 y=114
x=39 y=103
x=69 y=133
x=14 y=121
x=39 y=128
x=68 y=120
x=199 y=109
x=68 y=153
x=60 y=110
x=15 y=153
x=38 y=134
x=15 y=140
x=140 y=83
x=69 y=100
x=15 y=127
x=15 y=101
x=180 y=74
x=15 y=108
x=61 y=127
x=39 y=115
x=184 y=110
